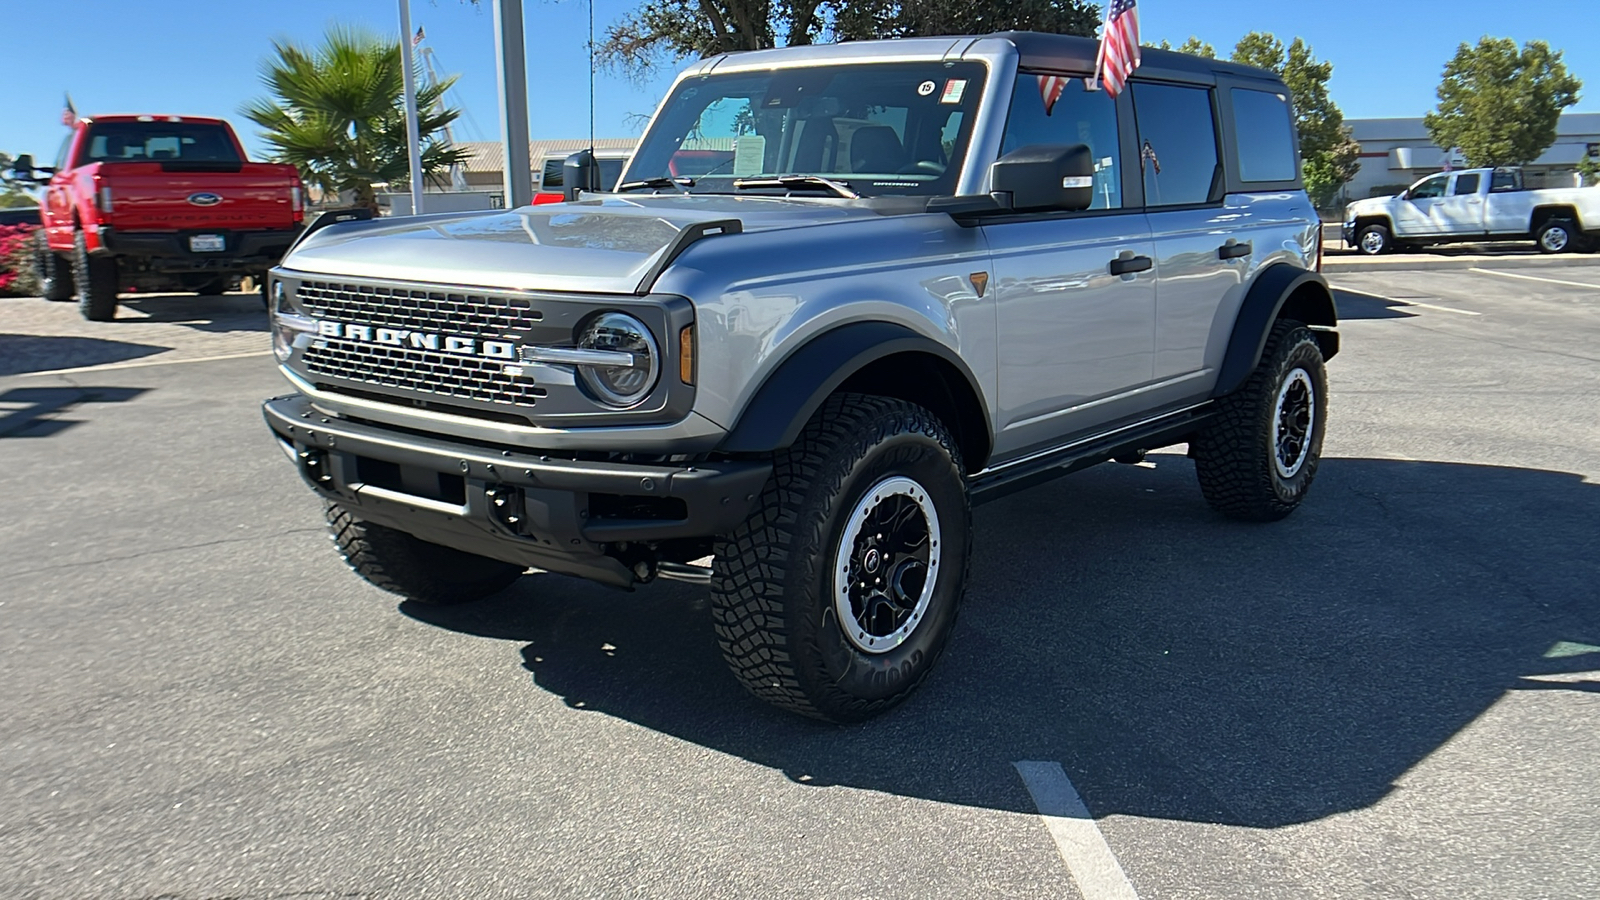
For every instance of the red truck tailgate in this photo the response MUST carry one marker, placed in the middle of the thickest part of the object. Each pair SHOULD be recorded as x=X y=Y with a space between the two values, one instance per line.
x=162 y=196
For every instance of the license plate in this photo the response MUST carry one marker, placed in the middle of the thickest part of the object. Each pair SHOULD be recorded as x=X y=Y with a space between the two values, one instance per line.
x=206 y=243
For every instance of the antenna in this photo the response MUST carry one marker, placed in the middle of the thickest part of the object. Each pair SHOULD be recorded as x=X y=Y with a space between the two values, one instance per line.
x=591 y=77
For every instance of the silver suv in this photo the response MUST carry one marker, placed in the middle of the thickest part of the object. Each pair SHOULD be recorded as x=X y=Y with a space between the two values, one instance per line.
x=842 y=293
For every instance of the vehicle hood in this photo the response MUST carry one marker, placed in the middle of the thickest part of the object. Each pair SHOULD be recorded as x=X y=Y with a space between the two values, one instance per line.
x=1369 y=204
x=605 y=245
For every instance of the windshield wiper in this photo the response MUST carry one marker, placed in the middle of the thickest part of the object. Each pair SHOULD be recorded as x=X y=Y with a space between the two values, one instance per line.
x=798 y=182
x=660 y=181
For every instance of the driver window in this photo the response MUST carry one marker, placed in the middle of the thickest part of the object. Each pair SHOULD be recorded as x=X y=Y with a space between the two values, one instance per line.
x=1076 y=115
x=1431 y=188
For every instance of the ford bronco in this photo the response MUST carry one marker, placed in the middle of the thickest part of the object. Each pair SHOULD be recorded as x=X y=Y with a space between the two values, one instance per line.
x=902 y=276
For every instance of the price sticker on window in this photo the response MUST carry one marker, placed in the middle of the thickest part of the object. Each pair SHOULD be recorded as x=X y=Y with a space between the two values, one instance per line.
x=954 y=89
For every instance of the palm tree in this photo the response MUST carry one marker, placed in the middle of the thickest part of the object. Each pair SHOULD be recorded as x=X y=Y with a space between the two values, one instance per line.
x=336 y=112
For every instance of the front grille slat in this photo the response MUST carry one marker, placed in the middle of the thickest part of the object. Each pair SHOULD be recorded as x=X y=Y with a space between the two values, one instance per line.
x=437 y=312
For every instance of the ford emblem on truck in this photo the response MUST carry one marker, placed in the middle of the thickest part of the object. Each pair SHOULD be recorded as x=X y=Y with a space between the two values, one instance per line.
x=205 y=198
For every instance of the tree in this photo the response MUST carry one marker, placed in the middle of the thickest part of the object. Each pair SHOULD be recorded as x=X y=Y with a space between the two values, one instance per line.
x=13 y=193
x=336 y=112
x=1500 y=105
x=673 y=29
x=1330 y=157
x=1589 y=168
x=1193 y=46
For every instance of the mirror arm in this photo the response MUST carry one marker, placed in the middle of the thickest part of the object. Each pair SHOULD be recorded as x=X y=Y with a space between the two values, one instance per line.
x=967 y=209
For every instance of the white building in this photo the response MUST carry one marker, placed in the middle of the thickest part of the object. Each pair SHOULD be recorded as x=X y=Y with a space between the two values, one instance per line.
x=1395 y=153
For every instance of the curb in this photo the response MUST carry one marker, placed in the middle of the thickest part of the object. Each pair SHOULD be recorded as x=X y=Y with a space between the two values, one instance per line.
x=1418 y=262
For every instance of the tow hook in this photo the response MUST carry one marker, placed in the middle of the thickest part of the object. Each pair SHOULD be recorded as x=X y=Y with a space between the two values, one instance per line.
x=505 y=507
x=314 y=466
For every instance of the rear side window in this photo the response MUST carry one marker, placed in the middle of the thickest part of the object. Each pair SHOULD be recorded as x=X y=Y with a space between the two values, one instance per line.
x=1177 y=144
x=159 y=142
x=1265 y=135
x=554 y=176
x=1467 y=184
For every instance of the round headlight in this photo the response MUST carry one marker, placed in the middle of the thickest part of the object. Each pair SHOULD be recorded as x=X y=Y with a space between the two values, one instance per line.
x=621 y=385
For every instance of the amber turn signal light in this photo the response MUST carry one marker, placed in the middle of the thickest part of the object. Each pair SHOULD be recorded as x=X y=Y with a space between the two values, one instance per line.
x=686 y=355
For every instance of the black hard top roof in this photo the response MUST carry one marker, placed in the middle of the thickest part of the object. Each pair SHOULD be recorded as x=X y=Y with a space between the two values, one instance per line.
x=1069 y=53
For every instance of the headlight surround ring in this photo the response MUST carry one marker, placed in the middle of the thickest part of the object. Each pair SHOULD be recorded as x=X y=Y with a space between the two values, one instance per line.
x=620 y=386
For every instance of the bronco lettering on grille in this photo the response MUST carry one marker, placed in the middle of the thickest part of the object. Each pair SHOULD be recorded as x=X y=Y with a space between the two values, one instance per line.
x=417 y=340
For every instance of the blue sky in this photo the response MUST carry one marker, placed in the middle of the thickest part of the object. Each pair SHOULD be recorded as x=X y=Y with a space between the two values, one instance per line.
x=201 y=57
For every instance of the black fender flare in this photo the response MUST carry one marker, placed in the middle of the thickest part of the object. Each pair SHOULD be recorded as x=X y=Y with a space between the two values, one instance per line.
x=794 y=391
x=1272 y=290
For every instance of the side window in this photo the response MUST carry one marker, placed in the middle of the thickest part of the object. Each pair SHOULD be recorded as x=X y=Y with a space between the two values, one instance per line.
x=1177 y=143
x=1466 y=184
x=554 y=174
x=1430 y=188
x=1076 y=116
x=1504 y=180
x=1264 y=135
x=61 y=157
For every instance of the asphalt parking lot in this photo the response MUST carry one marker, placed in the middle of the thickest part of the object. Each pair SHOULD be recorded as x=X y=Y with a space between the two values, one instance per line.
x=1394 y=693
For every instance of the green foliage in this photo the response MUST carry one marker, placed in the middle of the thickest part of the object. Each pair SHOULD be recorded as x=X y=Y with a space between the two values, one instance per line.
x=17 y=276
x=1500 y=105
x=1193 y=46
x=1330 y=157
x=337 y=112
x=673 y=29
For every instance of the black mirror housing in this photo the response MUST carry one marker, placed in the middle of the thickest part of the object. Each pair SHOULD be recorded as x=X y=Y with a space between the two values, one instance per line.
x=1046 y=177
x=580 y=172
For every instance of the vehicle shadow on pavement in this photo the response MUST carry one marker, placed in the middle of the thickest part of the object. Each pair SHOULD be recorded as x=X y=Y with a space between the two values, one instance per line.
x=21 y=353
x=214 y=313
x=1178 y=665
x=1366 y=306
x=24 y=411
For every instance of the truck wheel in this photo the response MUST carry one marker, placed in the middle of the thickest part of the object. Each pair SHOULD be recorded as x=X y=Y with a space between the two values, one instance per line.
x=413 y=568
x=1374 y=239
x=836 y=596
x=1557 y=236
x=1257 y=458
x=95 y=278
x=55 y=276
x=212 y=288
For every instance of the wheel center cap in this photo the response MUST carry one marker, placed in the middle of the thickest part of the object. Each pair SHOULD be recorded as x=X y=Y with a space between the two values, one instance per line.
x=871 y=561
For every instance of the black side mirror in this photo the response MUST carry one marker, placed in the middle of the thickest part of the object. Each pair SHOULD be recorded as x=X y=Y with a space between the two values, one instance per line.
x=22 y=167
x=580 y=172
x=1042 y=177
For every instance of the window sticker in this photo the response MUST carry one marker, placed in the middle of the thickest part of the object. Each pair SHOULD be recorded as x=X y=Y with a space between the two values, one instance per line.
x=749 y=155
x=926 y=88
x=953 y=90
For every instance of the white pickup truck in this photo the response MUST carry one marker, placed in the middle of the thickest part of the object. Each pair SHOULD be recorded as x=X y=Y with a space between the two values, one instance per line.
x=1475 y=205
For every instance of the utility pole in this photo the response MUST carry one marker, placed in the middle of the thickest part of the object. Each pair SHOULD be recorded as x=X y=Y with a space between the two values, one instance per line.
x=511 y=65
x=413 y=137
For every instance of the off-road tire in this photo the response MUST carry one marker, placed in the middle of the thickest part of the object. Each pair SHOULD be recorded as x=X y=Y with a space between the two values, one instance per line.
x=1374 y=240
x=773 y=577
x=53 y=272
x=1557 y=236
x=1235 y=456
x=95 y=278
x=413 y=568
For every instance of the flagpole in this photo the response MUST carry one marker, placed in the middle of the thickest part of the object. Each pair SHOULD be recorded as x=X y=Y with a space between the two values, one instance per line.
x=413 y=136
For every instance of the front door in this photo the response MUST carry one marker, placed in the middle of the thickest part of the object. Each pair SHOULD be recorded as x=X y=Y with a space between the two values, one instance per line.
x=1074 y=292
x=1414 y=212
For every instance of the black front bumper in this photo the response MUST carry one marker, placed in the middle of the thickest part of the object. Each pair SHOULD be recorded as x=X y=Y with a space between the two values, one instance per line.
x=168 y=251
x=562 y=515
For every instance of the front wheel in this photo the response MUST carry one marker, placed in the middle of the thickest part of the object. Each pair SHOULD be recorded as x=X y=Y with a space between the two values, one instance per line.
x=835 y=598
x=1374 y=240
x=1257 y=458
x=1557 y=236
x=95 y=278
x=55 y=276
x=414 y=568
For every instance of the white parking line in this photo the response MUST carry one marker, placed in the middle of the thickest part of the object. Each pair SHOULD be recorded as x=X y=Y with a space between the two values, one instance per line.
x=1592 y=287
x=1448 y=309
x=1083 y=848
x=145 y=363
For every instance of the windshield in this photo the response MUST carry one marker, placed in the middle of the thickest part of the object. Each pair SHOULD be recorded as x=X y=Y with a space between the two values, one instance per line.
x=143 y=141
x=881 y=128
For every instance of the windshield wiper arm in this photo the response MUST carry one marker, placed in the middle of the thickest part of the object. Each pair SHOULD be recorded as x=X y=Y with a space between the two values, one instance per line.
x=660 y=181
x=795 y=182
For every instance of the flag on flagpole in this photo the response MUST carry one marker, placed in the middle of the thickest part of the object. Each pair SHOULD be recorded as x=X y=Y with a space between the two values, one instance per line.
x=1050 y=88
x=69 y=113
x=1119 y=45
x=417 y=38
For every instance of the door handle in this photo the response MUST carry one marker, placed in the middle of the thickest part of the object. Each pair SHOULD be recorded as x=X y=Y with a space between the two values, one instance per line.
x=1233 y=250
x=1127 y=265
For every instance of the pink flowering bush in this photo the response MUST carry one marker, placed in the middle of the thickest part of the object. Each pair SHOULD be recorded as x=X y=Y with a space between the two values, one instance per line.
x=16 y=260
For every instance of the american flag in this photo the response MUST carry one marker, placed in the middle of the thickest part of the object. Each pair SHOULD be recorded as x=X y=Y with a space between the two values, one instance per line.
x=1050 y=88
x=69 y=113
x=418 y=37
x=1119 y=45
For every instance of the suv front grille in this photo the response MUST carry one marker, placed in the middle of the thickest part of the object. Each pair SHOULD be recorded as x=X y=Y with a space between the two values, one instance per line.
x=430 y=311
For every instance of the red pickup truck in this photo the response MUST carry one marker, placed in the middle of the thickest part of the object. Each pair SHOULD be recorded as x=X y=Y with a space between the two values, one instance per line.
x=160 y=203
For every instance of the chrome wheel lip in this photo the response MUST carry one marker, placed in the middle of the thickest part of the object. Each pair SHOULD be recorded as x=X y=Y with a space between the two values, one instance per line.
x=885 y=489
x=1554 y=239
x=1297 y=377
x=1372 y=243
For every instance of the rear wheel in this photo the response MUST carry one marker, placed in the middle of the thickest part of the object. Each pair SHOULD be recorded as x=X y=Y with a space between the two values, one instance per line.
x=95 y=278
x=1557 y=236
x=54 y=273
x=1374 y=239
x=836 y=597
x=213 y=287
x=413 y=568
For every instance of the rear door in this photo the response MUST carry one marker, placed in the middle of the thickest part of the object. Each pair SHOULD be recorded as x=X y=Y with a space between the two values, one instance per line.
x=1075 y=339
x=1460 y=210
